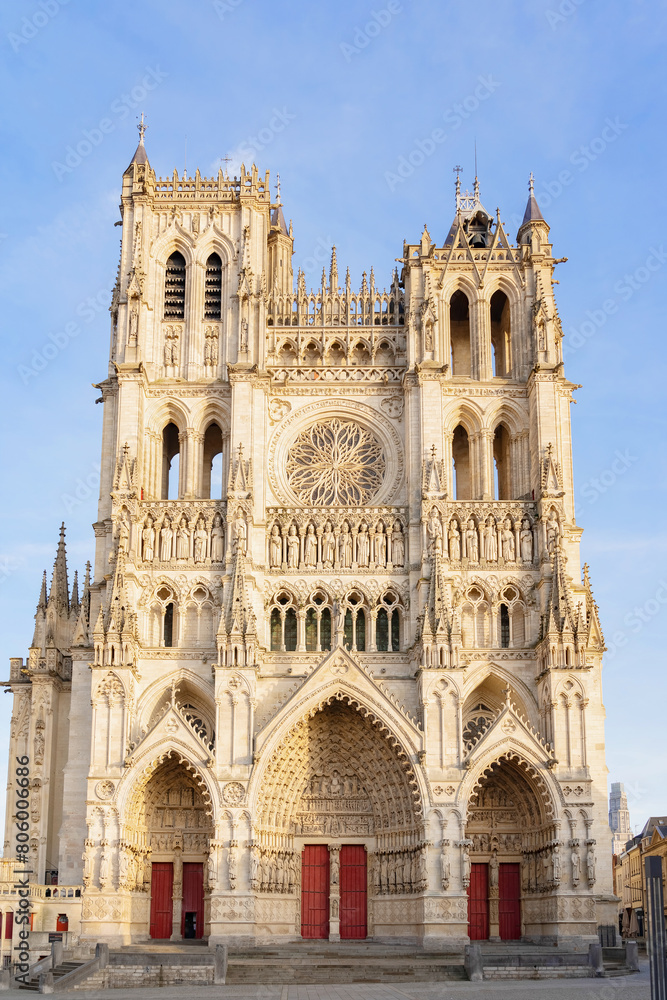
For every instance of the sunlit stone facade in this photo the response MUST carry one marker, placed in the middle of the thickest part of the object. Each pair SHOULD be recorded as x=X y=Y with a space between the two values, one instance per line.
x=336 y=670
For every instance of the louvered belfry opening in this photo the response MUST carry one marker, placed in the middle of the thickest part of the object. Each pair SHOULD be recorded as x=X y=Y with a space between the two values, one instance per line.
x=174 y=287
x=213 y=292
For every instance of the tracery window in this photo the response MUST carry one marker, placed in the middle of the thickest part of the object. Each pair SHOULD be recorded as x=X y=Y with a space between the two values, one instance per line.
x=479 y=720
x=337 y=463
x=354 y=623
x=388 y=625
x=283 y=624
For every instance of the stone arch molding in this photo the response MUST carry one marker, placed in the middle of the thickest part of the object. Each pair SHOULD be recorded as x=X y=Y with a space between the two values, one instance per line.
x=136 y=777
x=546 y=790
x=340 y=679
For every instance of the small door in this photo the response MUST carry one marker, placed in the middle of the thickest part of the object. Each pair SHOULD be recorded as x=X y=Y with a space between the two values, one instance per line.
x=162 y=887
x=62 y=922
x=315 y=891
x=353 y=883
x=9 y=924
x=509 y=902
x=192 y=912
x=478 y=903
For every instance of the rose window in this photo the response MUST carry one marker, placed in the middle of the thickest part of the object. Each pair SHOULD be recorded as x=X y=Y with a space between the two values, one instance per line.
x=337 y=463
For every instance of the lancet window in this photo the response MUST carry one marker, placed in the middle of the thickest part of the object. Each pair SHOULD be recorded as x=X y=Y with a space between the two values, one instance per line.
x=213 y=288
x=459 y=334
x=174 y=287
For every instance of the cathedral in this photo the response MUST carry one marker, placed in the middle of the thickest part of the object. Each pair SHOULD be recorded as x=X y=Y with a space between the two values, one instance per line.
x=335 y=672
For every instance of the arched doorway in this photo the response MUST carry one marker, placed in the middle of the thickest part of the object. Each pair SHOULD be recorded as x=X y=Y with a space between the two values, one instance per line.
x=340 y=825
x=171 y=816
x=513 y=850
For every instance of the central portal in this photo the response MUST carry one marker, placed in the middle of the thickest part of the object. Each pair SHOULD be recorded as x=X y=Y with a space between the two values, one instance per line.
x=334 y=892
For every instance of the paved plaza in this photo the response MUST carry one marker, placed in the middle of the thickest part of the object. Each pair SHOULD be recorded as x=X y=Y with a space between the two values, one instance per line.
x=635 y=987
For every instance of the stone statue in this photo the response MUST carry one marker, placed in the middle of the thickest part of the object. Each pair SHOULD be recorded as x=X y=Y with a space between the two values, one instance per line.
x=397 y=545
x=255 y=872
x=292 y=548
x=334 y=865
x=576 y=864
x=124 y=533
x=553 y=531
x=243 y=346
x=201 y=538
x=87 y=858
x=454 y=541
x=445 y=866
x=328 y=546
x=275 y=548
x=134 y=322
x=148 y=540
x=555 y=861
x=310 y=546
x=182 y=540
x=526 y=541
x=211 y=347
x=363 y=547
x=217 y=539
x=345 y=546
x=380 y=545
x=493 y=871
x=507 y=541
x=490 y=541
x=435 y=534
x=590 y=865
x=240 y=534
x=105 y=868
x=465 y=866
x=472 y=543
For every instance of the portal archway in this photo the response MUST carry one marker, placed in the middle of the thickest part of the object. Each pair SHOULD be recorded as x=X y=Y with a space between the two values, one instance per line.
x=169 y=816
x=337 y=787
x=513 y=850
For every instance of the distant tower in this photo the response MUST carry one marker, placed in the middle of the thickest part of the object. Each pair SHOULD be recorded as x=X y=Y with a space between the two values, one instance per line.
x=619 y=817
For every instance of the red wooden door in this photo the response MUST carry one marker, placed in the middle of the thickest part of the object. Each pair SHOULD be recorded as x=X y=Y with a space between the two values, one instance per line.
x=315 y=891
x=192 y=911
x=9 y=924
x=478 y=903
x=509 y=905
x=353 y=883
x=162 y=887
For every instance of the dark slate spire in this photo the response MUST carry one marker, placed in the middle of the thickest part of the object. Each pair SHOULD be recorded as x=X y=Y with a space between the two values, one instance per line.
x=532 y=213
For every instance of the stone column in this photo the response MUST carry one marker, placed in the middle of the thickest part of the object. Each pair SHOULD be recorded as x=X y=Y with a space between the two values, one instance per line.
x=334 y=892
x=177 y=896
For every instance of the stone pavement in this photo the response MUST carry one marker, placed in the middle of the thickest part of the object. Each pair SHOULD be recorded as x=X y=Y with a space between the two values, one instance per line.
x=635 y=987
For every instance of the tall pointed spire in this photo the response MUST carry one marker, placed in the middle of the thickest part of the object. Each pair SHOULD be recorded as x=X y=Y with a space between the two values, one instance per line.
x=532 y=213
x=59 y=595
x=140 y=154
x=42 y=602
x=74 y=600
x=333 y=272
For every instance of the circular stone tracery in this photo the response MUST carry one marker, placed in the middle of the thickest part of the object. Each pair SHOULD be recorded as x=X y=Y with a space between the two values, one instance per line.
x=337 y=463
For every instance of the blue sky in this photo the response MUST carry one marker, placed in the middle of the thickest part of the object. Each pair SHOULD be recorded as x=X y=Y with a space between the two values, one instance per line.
x=363 y=110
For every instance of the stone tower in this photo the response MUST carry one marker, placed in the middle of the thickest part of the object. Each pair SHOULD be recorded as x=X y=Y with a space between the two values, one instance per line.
x=619 y=818
x=337 y=633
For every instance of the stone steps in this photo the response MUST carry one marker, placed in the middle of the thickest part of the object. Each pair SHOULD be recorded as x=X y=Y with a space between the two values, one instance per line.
x=61 y=970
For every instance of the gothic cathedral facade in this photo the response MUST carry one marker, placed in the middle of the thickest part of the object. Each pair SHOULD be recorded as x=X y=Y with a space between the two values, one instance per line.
x=336 y=670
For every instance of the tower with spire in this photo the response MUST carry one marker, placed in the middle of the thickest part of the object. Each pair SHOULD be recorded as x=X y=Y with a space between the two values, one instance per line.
x=336 y=598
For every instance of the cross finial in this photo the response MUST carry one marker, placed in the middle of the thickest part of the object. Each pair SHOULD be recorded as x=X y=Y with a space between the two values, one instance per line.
x=531 y=182
x=278 y=188
x=142 y=126
x=226 y=159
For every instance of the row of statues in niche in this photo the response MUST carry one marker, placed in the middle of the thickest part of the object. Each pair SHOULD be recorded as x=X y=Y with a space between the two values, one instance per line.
x=172 y=351
x=274 y=871
x=176 y=539
x=487 y=541
x=399 y=871
x=345 y=547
